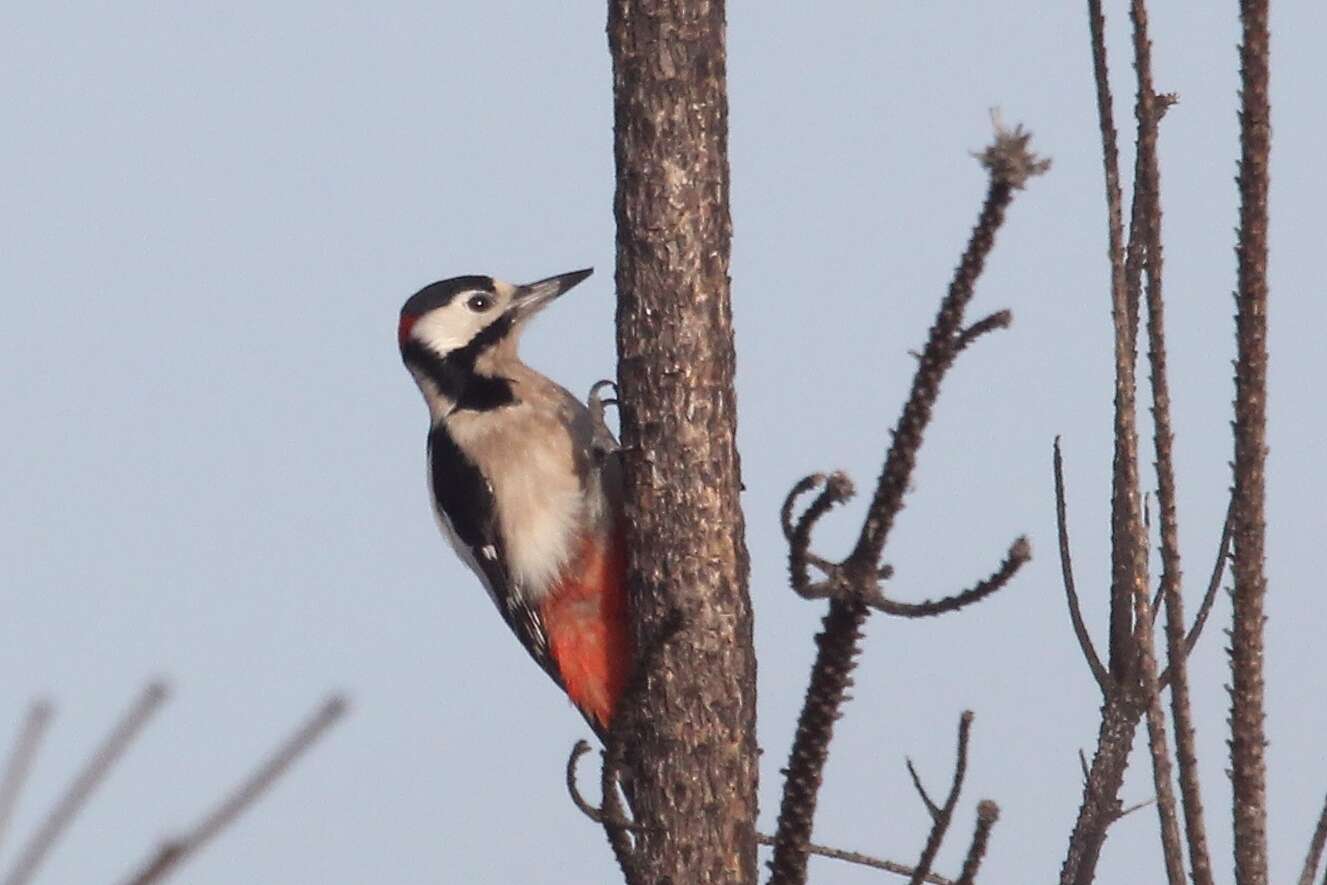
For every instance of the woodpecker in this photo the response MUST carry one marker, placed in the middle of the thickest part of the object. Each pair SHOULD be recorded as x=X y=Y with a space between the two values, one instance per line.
x=525 y=481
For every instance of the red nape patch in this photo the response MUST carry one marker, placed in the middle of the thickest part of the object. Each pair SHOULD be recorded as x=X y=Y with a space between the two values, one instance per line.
x=403 y=330
x=588 y=634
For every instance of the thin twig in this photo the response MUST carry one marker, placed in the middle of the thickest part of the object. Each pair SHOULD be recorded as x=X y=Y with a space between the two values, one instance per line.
x=20 y=759
x=1209 y=595
x=1001 y=319
x=1314 y=856
x=864 y=860
x=942 y=817
x=1071 y=594
x=987 y=814
x=931 y=807
x=175 y=852
x=1218 y=571
x=87 y=780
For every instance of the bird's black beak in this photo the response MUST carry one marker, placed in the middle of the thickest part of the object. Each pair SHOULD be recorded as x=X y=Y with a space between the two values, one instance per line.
x=532 y=296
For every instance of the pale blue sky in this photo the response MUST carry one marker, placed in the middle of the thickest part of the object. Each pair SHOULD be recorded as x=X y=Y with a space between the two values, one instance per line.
x=214 y=463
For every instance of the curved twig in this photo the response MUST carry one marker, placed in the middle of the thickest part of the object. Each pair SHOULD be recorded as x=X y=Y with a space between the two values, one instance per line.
x=1020 y=552
x=1099 y=673
x=837 y=489
x=586 y=807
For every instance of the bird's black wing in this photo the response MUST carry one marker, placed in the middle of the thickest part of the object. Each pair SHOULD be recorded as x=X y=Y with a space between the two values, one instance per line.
x=465 y=497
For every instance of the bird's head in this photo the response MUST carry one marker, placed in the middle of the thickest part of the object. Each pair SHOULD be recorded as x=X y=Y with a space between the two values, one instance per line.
x=458 y=338
x=474 y=313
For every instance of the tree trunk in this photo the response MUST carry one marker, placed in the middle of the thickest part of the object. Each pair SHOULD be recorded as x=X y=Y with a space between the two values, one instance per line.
x=692 y=752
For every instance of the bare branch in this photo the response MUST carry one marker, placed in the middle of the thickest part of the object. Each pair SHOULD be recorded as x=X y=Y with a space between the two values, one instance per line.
x=1010 y=164
x=20 y=759
x=838 y=488
x=87 y=780
x=587 y=808
x=1156 y=739
x=1314 y=856
x=921 y=791
x=1101 y=788
x=945 y=813
x=1248 y=738
x=1137 y=806
x=987 y=814
x=1150 y=108
x=864 y=860
x=1071 y=594
x=175 y=852
x=1001 y=319
x=1218 y=570
x=1020 y=552
x=837 y=647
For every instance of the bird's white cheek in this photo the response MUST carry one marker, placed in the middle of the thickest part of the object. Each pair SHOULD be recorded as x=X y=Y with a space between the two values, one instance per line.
x=445 y=330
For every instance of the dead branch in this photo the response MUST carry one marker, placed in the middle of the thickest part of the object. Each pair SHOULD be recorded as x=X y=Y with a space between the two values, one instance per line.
x=987 y=814
x=19 y=764
x=88 y=779
x=1001 y=319
x=859 y=859
x=175 y=852
x=1150 y=108
x=1314 y=856
x=1071 y=594
x=853 y=583
x=942 y=816
x=931 y=807
x=1248 y=739
x=1156 y=740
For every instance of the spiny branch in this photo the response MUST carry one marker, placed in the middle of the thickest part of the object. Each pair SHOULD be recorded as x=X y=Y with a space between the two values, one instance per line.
x=987 y=814
x=854 y=583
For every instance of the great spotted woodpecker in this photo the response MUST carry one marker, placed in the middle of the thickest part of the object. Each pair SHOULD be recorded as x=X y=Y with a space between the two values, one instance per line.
x=525 y=481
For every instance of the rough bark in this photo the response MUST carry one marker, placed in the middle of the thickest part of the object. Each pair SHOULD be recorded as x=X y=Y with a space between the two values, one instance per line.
x=692 y=756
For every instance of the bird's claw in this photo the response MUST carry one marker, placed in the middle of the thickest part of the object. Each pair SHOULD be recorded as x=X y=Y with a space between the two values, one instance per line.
x=602 y=442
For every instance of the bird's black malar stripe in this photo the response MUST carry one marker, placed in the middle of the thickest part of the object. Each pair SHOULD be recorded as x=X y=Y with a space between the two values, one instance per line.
x=455 y=374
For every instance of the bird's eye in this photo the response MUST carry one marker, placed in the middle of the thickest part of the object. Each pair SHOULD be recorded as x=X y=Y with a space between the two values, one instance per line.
x=479 y=303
